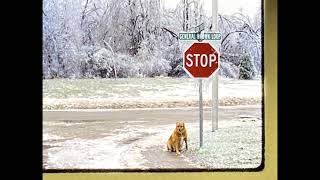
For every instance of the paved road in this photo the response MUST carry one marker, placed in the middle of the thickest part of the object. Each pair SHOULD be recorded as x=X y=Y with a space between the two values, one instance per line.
x=116 y=139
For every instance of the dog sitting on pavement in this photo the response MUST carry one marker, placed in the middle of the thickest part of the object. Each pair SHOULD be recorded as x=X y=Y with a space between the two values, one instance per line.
x=177 y=137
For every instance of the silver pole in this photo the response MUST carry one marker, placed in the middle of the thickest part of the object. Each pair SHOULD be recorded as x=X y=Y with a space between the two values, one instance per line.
x=200 y=112
x=215 y=80
x=215 y=102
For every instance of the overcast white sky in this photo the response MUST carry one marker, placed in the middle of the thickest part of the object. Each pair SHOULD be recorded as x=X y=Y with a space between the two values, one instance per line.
x=225 y=7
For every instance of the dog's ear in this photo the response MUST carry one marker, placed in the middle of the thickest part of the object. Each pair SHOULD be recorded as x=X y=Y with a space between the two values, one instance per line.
x=177 y=123
x=183 y=124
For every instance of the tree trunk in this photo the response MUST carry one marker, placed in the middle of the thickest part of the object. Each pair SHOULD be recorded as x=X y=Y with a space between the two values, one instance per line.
x=184 y=16
x=187 y=15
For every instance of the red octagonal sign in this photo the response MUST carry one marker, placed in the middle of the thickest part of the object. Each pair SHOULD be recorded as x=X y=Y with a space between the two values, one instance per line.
x=200 y=60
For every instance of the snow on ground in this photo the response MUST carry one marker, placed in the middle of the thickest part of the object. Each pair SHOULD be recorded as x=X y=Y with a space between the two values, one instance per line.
x=140 y=143
x=144 y=93
x=131 y=143
x=237 y=144
x=113 y=151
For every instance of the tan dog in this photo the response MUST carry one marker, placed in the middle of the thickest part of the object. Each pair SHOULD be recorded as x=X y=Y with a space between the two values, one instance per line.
x=177 y=137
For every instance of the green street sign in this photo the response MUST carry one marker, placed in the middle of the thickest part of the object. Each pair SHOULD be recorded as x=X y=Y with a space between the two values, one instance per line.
x=200 y=36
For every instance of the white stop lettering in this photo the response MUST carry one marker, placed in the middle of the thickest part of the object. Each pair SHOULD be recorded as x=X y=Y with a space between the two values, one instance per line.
x=204 y=59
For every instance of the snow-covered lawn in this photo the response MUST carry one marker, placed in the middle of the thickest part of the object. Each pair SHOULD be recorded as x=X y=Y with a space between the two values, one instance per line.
x=144 y=93
x=236 y=144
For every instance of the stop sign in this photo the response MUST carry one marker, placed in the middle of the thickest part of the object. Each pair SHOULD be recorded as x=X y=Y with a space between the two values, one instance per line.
x=200 y=60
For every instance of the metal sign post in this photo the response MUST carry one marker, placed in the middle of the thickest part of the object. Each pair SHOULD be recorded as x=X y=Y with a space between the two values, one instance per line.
x=198 y=30
x=200 y=113
x=200 y=60
x=215 y=80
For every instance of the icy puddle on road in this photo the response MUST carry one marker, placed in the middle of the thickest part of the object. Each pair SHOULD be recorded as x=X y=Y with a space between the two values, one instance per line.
x=140 y=143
